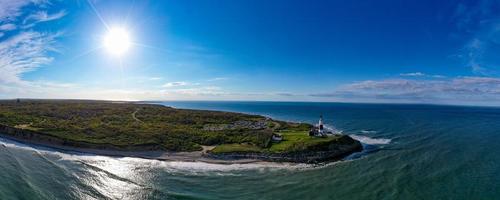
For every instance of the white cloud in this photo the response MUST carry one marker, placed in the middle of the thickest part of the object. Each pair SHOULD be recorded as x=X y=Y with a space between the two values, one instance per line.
x=474 y=53
x=43 y=16
x=155 y=78
x=420 y=74
x=479 y=23
x=201 y=91
x=412 y=74
x=11 y=9
x=218 y=79
x=7 y=27
x=437 y=76
x=179 y=84
x=175 y=84
x=55 y=90
x=22 y=53
x=459 y=90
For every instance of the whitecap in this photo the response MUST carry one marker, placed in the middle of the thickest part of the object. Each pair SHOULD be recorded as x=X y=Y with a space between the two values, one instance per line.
x=368 y=131
x=184 y=167
x=333 y=129
x=369 y=140
x=198 y=168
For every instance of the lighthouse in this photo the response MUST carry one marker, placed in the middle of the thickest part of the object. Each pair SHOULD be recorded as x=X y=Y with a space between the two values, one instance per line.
x=319 y=130
x=320 y=125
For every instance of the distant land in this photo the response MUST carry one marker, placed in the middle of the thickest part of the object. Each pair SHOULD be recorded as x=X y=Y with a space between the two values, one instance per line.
x=159 y=132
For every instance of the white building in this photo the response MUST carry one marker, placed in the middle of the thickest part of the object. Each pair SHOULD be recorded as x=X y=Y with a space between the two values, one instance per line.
x=321 y=130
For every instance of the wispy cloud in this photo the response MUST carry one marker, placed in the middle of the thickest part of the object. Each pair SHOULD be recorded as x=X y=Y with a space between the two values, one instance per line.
x=413 y=74
x=479 y=23
x=7 y=27
x=42 y=16
x=155 y=78
x=11 y=9
x=218 y=79
x=459 y=90
x=200 y=91
x=175 y=84
x=286 y=94
x=23 y=51
x=474 y=50
x=420 y=74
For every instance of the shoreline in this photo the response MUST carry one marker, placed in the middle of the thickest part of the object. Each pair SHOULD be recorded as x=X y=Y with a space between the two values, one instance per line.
x=195 y=156
x=31 y=137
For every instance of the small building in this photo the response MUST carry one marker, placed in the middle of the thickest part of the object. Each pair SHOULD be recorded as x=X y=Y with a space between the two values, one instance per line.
x=277 y=137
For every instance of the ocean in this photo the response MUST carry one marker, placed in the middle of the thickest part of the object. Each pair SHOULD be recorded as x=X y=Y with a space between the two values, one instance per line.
x=410 y=152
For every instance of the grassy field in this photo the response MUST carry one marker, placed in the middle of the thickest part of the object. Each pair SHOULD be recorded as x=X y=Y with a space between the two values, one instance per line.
x=124 y=124
x=298 y=140
x=293 y=140
x=228 y=148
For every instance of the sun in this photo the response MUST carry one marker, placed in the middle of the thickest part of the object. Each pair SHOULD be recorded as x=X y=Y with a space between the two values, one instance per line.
x=117 y=41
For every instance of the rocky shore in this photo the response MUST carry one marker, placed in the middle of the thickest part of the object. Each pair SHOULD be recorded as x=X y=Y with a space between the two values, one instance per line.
x=329 y=152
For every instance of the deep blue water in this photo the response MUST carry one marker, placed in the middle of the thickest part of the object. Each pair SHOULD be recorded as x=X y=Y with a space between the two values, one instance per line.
x=412 y=152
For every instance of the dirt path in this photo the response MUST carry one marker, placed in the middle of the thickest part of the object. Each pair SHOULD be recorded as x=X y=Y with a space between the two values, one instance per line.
x=206 y=149
x=133 y=115
x=276 y=125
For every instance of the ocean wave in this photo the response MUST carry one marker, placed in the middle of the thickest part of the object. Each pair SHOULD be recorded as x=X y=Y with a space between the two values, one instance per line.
x=184 y=167
x=369 y=140
x=332 y=129
x=368 y=131
x=120 y=165
x=13 y=144
x=201 y=168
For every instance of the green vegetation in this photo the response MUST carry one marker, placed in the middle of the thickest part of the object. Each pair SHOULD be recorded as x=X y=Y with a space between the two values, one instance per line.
x=228 y=148
x=298 y=140
x=126 y=125
x=293 y=141
x=134 y=126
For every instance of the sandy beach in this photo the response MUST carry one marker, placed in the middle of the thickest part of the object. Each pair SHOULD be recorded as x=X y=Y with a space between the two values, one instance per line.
x=195 y=156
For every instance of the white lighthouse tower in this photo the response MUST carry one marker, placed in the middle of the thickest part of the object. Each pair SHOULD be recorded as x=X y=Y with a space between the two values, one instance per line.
x=320 y=126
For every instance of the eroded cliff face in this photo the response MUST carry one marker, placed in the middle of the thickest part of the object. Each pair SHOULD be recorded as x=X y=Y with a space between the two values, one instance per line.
x=40 y=138
x=28 y=135
x=327 y=152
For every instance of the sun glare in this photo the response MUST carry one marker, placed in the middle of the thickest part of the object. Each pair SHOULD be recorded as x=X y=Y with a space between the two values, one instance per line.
x=117 y=41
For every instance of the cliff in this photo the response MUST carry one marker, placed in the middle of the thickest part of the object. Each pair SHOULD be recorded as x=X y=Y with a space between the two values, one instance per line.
x=333 y=150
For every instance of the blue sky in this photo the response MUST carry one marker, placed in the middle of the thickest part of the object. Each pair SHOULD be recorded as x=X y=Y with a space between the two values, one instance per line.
x=443 y=52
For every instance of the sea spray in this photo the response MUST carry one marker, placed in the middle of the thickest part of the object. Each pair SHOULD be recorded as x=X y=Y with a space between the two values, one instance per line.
x=369 y=140
x=178 y=167
x=368 y=131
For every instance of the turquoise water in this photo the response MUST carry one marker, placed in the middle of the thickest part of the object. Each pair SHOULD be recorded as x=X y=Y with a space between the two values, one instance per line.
x=411 y=152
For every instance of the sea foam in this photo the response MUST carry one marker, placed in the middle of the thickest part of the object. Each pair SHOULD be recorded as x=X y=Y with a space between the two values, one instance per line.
x=183 y=167
x=368 y=131
x=369 y=140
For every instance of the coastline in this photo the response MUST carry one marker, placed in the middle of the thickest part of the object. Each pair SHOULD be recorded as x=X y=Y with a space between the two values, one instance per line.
x=40 y=139
x=195 y=156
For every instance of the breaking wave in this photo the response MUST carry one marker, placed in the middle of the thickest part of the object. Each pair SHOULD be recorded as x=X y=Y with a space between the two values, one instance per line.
x=333 y=129
x=182 y=167
x=369 y=140
x=368 y=131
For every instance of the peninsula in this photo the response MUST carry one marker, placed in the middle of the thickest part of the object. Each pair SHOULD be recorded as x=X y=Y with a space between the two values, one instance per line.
x=165 y=133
